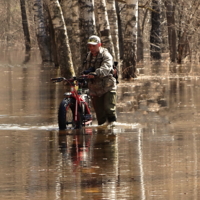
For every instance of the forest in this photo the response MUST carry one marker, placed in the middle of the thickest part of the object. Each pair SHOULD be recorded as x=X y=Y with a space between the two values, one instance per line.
x=132 y=30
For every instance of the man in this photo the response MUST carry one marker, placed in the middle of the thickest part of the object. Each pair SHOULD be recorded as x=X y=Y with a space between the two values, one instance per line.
x=102 y=84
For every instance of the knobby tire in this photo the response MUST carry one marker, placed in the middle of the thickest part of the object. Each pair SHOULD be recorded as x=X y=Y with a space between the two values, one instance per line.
x=66 y=115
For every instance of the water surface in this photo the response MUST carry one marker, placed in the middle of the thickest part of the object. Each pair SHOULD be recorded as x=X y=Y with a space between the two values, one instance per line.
x=151 y=154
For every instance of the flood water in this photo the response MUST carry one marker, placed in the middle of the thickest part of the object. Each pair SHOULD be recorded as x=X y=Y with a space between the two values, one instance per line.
x=152 y=153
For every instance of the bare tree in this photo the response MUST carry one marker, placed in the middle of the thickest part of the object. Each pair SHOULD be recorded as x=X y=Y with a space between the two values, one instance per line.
x=140 y=45
x=112 y=17
x=87 y=24
x=187 y=21
x=130 y=39
x=170 y=13
x=61 y=38
x=120 y=34
x=71 y=15
x=66 y=6
x=25 y=26
x=155 y=37
x=41 y=33
x=104 y=26
x=8 y=21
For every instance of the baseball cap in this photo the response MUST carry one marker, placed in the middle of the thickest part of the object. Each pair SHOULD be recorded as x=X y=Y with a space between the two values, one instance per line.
x=94 y=40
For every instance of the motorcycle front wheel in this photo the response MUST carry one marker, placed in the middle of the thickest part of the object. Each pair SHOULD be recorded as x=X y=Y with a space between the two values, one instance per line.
x=66 y=115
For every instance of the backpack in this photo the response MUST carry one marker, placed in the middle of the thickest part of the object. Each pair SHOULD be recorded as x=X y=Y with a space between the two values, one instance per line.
x=115 y=71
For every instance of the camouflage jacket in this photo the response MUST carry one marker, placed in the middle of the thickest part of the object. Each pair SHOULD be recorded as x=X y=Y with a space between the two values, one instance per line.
x=102 y=66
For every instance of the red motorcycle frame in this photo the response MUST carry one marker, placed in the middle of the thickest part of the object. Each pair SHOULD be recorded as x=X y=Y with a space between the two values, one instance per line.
x=74 y=110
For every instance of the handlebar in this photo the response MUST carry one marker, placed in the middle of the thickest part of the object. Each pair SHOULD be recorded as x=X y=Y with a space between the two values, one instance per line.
x=59 y=79
x=70 y=80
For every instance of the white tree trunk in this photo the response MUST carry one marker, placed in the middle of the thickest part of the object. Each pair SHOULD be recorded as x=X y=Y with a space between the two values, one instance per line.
x=41 y=33
x=104 y=26
x=61 y=38
x=87 y=24
x=66 y=6
x=71 y=14
x=112 y=16
x=76 y=41
x=130 y=39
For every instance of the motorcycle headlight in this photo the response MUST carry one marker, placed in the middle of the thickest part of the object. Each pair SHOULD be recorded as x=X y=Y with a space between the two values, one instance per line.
x=67 y=94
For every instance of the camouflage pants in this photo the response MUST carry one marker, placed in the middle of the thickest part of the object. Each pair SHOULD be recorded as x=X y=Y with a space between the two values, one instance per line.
x=105 y=107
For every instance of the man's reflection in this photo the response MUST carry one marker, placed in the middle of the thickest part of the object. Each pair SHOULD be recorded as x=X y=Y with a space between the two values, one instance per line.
x=94 y=157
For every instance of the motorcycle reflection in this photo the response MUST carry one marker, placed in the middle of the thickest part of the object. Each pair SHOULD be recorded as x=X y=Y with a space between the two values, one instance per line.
x=89 y=162
x=77 y=147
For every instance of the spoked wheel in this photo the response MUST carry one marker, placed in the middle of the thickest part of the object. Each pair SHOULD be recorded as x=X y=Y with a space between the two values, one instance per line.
x=66 y=115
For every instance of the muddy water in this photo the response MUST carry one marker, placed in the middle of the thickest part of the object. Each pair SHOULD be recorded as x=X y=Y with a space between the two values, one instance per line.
x=151 y=154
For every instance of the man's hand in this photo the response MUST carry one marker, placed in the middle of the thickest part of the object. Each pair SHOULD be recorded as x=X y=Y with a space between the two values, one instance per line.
x=114 y=72
x=90 y=76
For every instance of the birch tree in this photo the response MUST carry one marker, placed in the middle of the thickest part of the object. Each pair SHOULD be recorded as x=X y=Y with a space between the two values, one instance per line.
x=120 y=34
x=104 y=26
x=40 y=27
x=8 y=20
x=170 y=14
x=186 y=29
x=130 y=39
x=112 y=16
x=71 y=15
x=76 y=39
x=140 y=45
x=66 y=6
x=155 y=37
x=73 y=28
x=61 y=39
x=25 y=26
x=87 y=24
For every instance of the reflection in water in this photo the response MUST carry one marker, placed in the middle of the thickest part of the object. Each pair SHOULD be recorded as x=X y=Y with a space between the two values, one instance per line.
x=93 y=160
x=151 y=154
x=78 y=147
x=140 y=156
